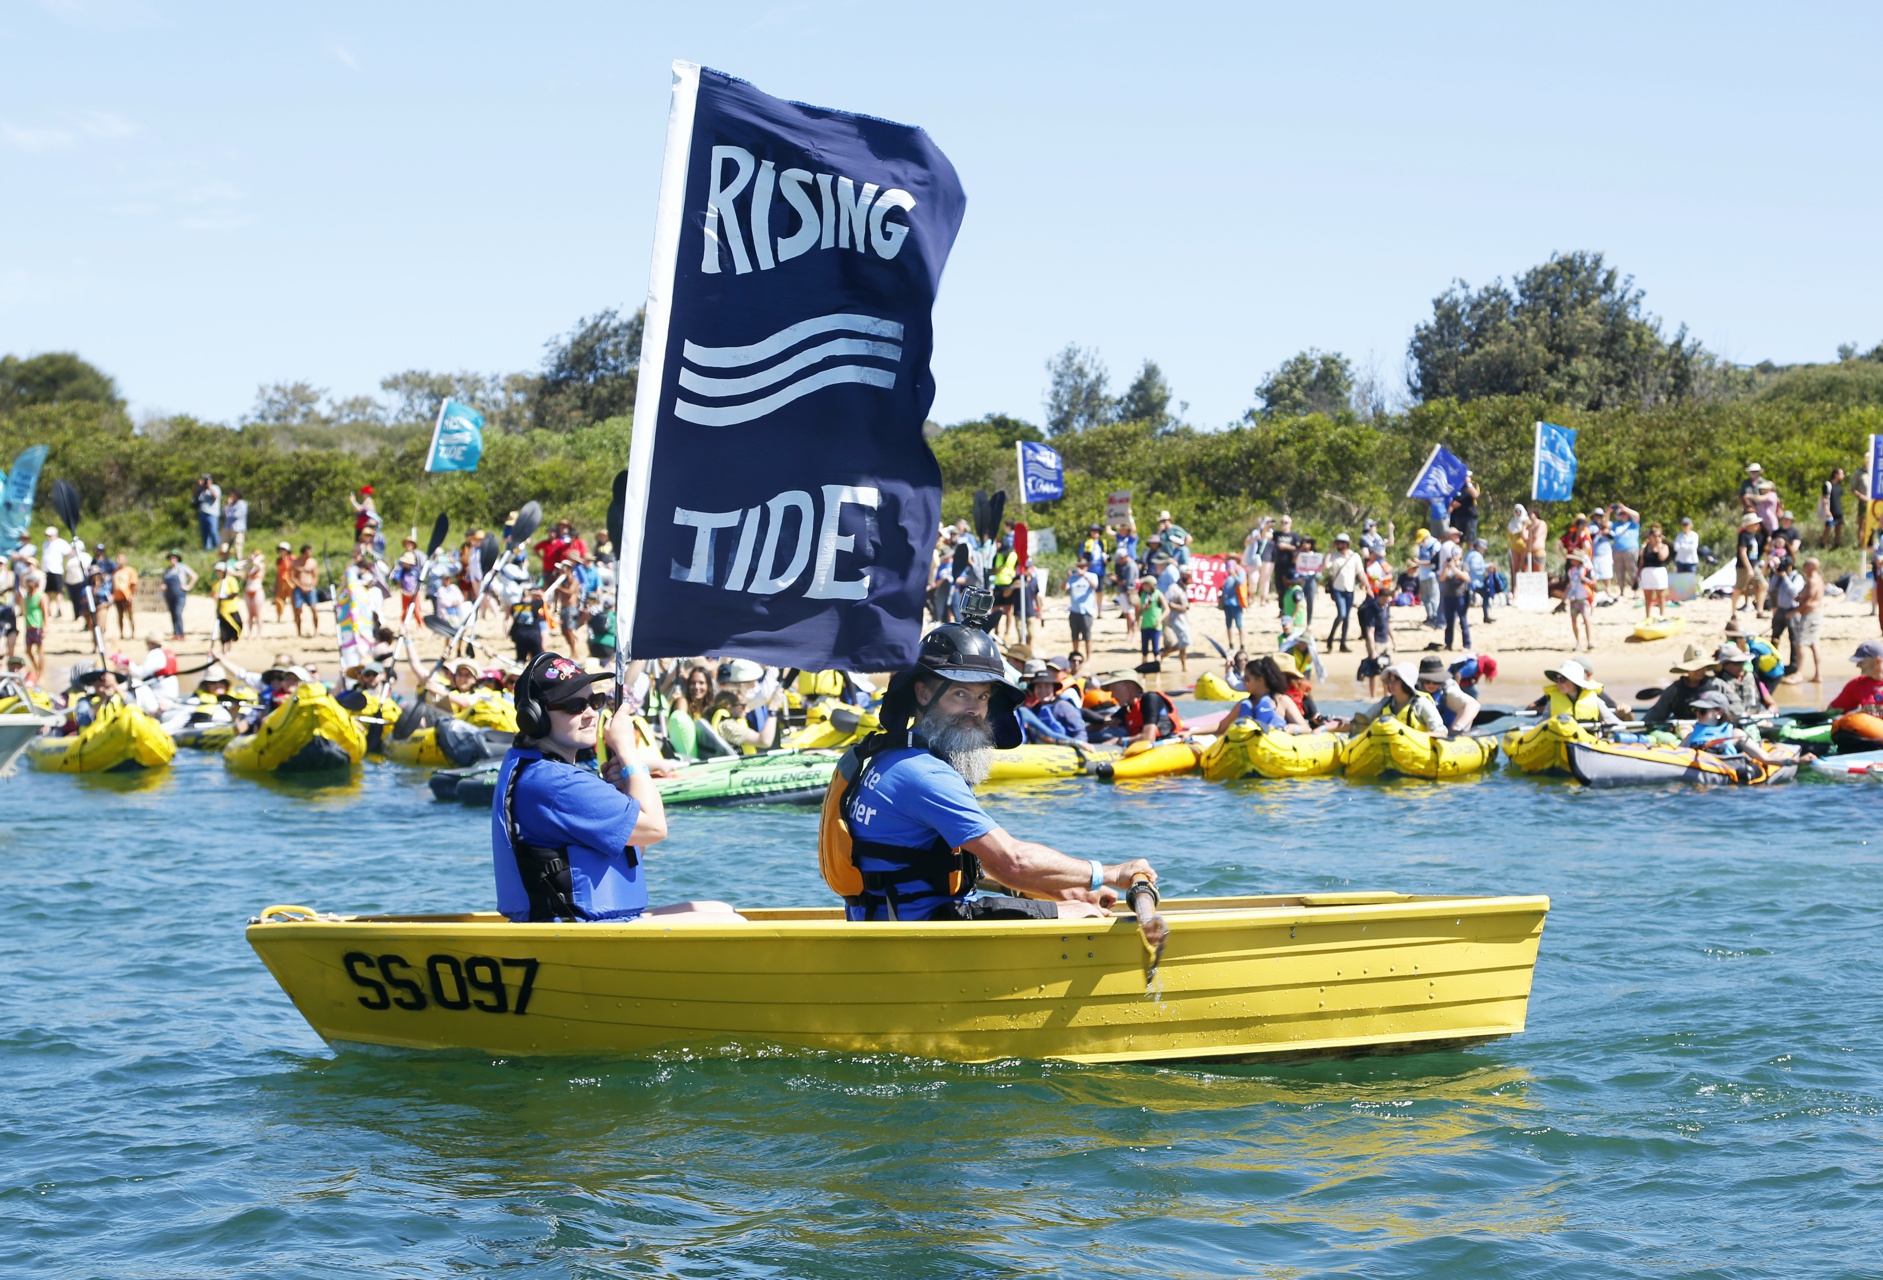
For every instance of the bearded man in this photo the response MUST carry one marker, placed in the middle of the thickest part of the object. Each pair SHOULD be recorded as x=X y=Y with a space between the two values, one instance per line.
x=917 y=835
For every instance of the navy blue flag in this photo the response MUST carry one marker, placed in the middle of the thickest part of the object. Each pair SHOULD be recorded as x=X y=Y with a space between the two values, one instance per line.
x=1042 y=472
x=1553 y=472
x=1442 y=476
x=782 y=503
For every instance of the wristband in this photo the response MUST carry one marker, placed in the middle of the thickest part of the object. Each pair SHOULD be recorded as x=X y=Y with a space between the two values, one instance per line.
x=1098 y=874
x=632 y=769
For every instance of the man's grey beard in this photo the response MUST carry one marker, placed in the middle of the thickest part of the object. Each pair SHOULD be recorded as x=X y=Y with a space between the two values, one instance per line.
x=965 y=742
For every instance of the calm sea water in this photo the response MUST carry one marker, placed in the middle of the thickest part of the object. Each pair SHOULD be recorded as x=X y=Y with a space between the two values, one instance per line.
x=1698 y=1093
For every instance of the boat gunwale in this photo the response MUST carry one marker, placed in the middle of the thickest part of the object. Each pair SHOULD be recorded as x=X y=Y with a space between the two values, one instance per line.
x=1191 y=915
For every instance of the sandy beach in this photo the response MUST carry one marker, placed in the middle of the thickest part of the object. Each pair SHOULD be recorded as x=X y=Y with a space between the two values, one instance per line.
x=1524 y=644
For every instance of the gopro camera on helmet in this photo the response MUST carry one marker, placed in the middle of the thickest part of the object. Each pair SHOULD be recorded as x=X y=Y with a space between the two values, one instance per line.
x=977 y=606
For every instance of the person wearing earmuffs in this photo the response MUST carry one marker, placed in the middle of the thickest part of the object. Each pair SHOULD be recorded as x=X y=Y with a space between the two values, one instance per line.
x=568 y=842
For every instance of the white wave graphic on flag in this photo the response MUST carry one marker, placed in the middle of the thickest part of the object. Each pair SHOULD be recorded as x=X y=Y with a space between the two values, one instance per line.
x=747 y=370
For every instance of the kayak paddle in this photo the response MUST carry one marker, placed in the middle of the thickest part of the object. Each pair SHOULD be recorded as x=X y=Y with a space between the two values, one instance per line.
x=439 y=529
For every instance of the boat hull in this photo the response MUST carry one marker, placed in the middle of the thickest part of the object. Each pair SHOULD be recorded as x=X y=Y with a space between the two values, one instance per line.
x=1245 y=978
x=1614 y=764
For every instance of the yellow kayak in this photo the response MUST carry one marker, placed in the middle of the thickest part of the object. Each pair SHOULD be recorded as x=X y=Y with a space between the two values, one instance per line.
x=121 y=738
x=308 y=733
x=1544 y=747
x=495 y=711
x=1660 y=628
x=1034 y=761
x=1240 y=978
x=1211 y=687
x=35 y=700
x=1246 y=750
x=1160 y=759
x=1388 y=746
x=828 y=725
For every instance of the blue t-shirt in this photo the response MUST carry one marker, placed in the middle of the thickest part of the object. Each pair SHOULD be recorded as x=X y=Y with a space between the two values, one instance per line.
x=1627 y=534
x=1082 y=594
x=1263 y=712
x=565 y=806
x=907 y=798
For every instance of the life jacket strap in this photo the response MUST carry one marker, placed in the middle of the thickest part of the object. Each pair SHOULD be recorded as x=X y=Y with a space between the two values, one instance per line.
x=544 y=871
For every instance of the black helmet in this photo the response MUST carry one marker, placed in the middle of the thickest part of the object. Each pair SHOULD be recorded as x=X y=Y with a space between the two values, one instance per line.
x=965 y=654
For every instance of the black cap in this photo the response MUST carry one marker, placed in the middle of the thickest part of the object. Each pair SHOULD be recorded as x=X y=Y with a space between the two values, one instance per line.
x=551 y=678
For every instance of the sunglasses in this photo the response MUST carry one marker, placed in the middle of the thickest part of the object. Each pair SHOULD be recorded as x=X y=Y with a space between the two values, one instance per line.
x=576 y=706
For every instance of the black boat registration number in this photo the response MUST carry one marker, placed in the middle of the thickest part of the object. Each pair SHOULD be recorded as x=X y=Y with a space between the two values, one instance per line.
x=476 y=982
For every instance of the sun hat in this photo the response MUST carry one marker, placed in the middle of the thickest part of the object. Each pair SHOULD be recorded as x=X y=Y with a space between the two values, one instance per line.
x=1432 y=667
x=1163 y=515
x=282 y=546
x=1711 y=700
x=1686 y=519
x=1786 y=515
x=1572 y=671
x=1868 y=649
x=1341 y=537
x=1748 y=520
x=1691 y=661
x=1753 y=466
x=1732 y=653
x=740 y=671
x=52 y=531
x=1422 y=535
x=215 y=674
x=1117 y=678
x=455 y=665
x=1407 y=673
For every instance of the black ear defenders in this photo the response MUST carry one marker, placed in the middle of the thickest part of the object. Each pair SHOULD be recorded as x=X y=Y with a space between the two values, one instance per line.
x=532 y=715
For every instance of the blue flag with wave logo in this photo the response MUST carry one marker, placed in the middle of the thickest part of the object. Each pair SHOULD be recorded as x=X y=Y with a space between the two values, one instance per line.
x=1042 y=472
x=1553 y=472
x=457 y=439
x=782 y=503
x=16 y=495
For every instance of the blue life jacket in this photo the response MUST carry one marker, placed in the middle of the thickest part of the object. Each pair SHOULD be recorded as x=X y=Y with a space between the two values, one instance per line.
x=903 y=883
x=1717 y=738
x=1262 y=711
x=562 y=881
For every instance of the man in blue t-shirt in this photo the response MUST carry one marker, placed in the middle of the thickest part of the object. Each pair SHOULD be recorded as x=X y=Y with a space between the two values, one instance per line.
x=1082 y=601
x=567 y=842
x=917 y=834
x=1624 y=526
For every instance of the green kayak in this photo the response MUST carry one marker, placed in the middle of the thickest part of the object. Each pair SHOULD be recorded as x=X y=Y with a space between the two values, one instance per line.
x=783 y=777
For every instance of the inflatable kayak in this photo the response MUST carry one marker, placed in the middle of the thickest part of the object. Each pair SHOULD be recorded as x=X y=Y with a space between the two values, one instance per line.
x=1857 y=732
x=1543 y=747
x=830 y=725
x=1246 y=750
x=35 y=700
x=1388 y=747
x=493 y=711
x=449 y=742
x=200 y=726
x=308 y=733
x=119 y=739
x=1160 y=759
x=1282 y=976
x=474 y=786
x=783 y=777
x=1614 y=764
x=378 y=715
x=1211 y=687
x=1035 y=761
x=1858 y=768
x=1804 y=735
x=1659 y=628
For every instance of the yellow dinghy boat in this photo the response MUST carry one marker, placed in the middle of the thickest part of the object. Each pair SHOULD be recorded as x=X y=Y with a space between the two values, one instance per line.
x=1544 y=747
x=1246 y=750
x=1240 y=978
x=1388 y=746
x=1659 y=629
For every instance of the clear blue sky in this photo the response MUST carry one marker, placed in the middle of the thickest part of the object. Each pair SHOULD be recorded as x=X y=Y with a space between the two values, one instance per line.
x=202 y=198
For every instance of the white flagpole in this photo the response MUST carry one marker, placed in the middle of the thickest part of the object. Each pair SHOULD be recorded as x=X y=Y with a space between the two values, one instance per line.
x=1019 y=470
x=1536 y=463
x=668 y=217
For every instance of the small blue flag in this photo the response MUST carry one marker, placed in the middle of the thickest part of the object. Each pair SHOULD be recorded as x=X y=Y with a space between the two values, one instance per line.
x=1441 y=476
x=457 y=439
x=1042 y=473
x=1553 y=477
x=16 y=497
